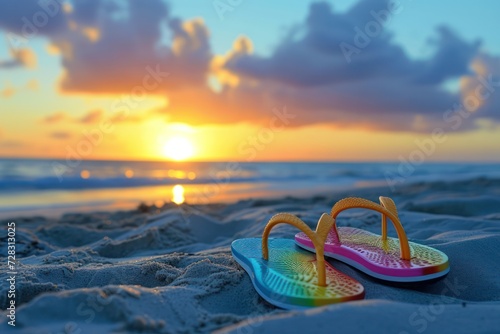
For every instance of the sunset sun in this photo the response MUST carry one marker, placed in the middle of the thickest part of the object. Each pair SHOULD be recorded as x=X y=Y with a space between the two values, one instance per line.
x=178 y=148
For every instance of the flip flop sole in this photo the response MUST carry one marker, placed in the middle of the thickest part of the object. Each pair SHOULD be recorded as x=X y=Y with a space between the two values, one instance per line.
x=381 y=259
x=288 y=279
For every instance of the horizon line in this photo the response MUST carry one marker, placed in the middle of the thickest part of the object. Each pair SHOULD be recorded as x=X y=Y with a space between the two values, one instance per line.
x=256 y=161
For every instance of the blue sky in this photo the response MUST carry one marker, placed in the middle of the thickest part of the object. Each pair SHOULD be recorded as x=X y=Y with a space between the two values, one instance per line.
x=266 y=21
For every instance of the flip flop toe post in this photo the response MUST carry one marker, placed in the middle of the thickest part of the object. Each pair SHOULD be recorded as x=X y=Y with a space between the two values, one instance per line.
x=380 y=256
x=290 y=277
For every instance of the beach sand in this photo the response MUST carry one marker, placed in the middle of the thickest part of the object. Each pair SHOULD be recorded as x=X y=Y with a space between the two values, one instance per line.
x=170 y=270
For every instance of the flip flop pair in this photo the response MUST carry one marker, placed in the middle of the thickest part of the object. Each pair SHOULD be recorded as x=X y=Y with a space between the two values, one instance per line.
x=294 y=277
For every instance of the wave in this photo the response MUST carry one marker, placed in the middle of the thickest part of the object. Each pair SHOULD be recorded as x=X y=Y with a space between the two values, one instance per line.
x=35 y=175
x=78 y=183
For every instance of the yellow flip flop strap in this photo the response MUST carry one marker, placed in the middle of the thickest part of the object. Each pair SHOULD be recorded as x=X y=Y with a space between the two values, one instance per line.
x=318 y=238
x=387 y=209
x=389 y=204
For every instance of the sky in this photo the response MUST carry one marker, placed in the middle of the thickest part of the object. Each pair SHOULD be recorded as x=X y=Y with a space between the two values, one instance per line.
x=248 y=80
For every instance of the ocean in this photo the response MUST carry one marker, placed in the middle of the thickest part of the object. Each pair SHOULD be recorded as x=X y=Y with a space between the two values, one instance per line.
x=53 y=187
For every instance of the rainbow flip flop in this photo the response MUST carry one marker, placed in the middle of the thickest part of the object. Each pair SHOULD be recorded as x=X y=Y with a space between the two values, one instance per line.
x=289 y=277
x=382 y=257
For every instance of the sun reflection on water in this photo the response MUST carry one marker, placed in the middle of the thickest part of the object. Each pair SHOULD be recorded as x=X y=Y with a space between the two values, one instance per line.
x=178 y=194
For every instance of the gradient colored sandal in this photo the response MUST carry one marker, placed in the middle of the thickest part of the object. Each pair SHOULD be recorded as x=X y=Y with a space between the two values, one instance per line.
x=289 y=277
x=382 y=257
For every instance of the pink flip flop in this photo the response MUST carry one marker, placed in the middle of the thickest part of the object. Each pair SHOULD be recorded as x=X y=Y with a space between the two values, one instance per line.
x=383 y=257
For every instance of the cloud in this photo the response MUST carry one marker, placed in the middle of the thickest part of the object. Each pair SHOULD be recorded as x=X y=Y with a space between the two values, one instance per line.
x=29 y=18
x=96 y=116
x=93 y=116
x=482 y=87
x=61 y=135
x=56 y=118
x=329 y=69
x=114 y=47
x=8 y=91
x=106 y=54
x=378 y=86
x=22 y=57
x=12 y=144
x=121 y=117
x=452 y=58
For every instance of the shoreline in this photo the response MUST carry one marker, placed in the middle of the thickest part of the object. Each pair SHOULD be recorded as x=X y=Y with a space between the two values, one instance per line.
x=111 y=186
x=228 y=197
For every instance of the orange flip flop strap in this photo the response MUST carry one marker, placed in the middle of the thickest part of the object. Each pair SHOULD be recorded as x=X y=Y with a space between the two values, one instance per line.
x=387 y=209
x=318 y=238
x=389 y=204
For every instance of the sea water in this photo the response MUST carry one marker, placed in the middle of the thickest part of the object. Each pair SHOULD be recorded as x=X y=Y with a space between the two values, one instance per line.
x=52 y=187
